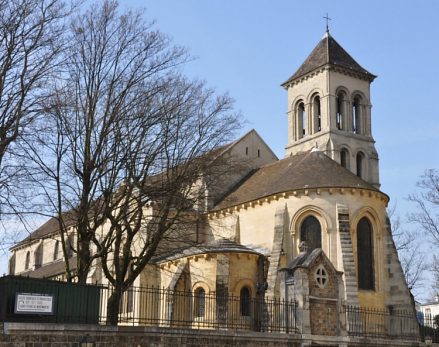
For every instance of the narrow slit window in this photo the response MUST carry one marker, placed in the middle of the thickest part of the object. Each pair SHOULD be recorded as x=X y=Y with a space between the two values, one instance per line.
x=317 y=114
x=244 y=301
x=200 y=302
x=301 y=120
x=365 y=251
x=356 y=115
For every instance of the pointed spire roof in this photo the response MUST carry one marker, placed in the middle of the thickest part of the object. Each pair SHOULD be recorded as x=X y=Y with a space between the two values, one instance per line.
x=329 y=52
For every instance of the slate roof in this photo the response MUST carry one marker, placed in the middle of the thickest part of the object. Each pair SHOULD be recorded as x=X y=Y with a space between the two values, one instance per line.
x=329 y=52
x=304 y=259
x=216 y=246
x=48 y=228
x=312 y=169
x=51 y=269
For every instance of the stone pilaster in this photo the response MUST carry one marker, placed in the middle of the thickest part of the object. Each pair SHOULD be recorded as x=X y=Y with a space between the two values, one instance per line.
x=347 y=255
x=222 y=287
x=398 y=292
x=280 y=227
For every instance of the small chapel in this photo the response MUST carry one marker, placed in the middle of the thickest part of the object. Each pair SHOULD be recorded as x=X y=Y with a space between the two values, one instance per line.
x=312 y=226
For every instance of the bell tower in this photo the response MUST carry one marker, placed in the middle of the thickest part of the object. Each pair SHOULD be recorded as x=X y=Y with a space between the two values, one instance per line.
x=329 y=107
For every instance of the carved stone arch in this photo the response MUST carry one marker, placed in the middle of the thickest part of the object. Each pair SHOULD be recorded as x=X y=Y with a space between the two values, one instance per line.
x=297 y=100
x=365 y=100
x=369 y=212
x=343 y=89
x=347 y=146
x=314 y=92
x=244 y=282
x=301 y=215
x=307 y=210
x=200 y=284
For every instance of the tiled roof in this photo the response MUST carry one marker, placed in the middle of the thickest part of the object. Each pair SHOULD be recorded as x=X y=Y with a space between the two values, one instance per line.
x=48 y=228
x=329 y=52
x=311 y=169
x=51 y=269
x=304 y=259
x=216 y=246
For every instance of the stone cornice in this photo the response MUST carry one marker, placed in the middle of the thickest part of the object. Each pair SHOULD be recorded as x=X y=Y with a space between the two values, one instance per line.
x=297 y=194
x=328 y=67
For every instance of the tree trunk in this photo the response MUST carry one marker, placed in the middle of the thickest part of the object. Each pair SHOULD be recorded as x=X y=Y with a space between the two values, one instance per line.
x=113 y=306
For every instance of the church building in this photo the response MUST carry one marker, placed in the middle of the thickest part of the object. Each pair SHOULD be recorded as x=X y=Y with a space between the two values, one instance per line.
x=312 y=226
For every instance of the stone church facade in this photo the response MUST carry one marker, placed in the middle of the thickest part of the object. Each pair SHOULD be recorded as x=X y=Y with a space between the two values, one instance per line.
x=312 y=227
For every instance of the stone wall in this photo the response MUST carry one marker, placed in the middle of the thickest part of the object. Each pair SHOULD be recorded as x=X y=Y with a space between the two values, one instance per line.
x=63 y=335
x=69 y=335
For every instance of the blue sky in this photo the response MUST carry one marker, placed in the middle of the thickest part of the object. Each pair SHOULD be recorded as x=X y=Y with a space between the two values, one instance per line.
x=249 y=47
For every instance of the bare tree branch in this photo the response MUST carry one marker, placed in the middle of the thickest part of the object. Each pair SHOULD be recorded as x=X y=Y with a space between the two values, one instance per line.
x=129 y=141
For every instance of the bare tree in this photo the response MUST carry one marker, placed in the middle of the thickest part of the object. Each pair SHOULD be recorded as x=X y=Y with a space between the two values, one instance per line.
x=30 y=46
x=408 y=245
x=426 y=216
x=129 y=141
x=427 y=203
x=435 y=271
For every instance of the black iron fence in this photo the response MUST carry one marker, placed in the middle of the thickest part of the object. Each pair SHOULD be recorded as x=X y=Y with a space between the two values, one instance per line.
x=152 y=306
x=383 y=323
x=429 y=327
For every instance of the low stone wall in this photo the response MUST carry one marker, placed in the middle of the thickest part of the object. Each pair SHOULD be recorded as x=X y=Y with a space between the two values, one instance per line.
x=66 y=335
x=70 y=335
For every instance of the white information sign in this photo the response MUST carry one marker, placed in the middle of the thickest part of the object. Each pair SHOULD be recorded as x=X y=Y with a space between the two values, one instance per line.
x=31 y=303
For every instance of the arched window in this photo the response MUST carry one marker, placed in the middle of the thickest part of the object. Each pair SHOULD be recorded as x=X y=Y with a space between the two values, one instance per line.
x=317 y=114
x=70 y=245
x=301 y=120
x=341 y=111
x=360 y=164
x=311 y=233
x=200 y=302
x=356 y=115
x=344 y=158
x=12 y=264
x=56 y=250
x=365 y=254
x=27 y=263
x=244 y=301
x=38 y=255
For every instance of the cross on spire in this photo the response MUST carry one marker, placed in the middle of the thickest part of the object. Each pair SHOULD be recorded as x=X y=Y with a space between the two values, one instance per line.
x=327 y=22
